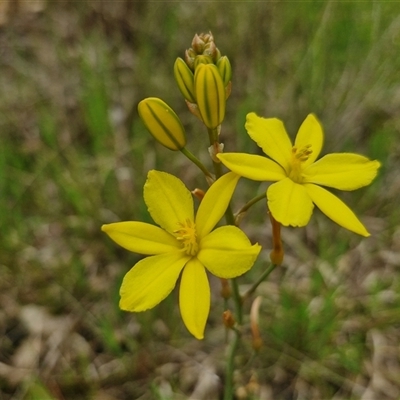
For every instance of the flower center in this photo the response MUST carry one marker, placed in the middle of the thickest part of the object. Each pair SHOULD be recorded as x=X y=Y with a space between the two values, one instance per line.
x=188 y=236
x=298 y=157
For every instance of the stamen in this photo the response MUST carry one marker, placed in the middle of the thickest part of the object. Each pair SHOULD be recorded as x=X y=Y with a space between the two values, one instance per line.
x=298 y=157
x=304 y=153
x=188 y=236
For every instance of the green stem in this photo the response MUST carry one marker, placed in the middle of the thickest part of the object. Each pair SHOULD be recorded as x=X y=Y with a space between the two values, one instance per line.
x=237 y=299
x=260 y=280
x=213 y=138
x=251 y=203
x=213 y=135
x=196 y=161
x=229 y=392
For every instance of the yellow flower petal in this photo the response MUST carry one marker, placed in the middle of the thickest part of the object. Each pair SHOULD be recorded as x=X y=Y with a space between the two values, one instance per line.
x=215 y=203
x=310 y=133
x=252 y=166
x=335 y=209
x=141 y=238
x=194 y=298
x=271 y=136
x=168 y=200
x=344 y=171
x=150 y=281
x=227 y=252
x=289 y=203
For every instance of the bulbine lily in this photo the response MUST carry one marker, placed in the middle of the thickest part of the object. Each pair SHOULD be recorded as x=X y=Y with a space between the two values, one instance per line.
x=183 y=244
x=298 y=175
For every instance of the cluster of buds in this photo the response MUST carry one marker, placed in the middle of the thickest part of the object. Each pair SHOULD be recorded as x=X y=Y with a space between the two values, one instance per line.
x=204 y=79
x=203 y=50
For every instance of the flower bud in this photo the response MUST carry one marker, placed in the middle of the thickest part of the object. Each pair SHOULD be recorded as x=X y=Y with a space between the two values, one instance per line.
x=198 y=44
x=217 y=55
x=185 y=79
x=199 y=194
x=228 y=319
x=210 y=94
x=210 y=49
x=202 y=45
x=190 y=55
x=207 y=37
x=225 y=69
x=202 y=59
x=163 y=123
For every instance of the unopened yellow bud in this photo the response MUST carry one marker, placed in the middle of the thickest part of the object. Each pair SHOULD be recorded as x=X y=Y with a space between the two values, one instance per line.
x=202 y=59
x=217 y=55
x=163 y=123
x=225 y=69
x=185 y=79
x=210 y=95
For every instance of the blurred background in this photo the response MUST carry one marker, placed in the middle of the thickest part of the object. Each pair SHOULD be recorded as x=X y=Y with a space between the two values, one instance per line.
x=74 y=155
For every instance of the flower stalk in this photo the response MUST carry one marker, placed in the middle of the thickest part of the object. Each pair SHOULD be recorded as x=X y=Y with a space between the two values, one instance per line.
x=198 y=163
x=276 y=254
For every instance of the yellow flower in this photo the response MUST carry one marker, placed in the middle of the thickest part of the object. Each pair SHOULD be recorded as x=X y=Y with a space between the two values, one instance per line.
x=298 y=175
x=183 y=243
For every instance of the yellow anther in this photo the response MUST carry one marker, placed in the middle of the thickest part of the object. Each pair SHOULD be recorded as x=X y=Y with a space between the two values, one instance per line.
x=188 y=236
x=303 y=153
x=298 y=157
